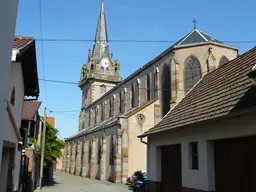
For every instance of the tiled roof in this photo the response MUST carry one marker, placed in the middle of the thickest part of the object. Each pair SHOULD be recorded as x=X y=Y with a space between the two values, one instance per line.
x=196 y=37
x=111 y=121
x=222 y=92
x=29 y=109
x=20 y=42
x=135 y=110
x=99 y=126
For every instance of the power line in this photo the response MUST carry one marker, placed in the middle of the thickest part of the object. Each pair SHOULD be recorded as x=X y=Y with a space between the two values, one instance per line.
x=130 y=98
x=57 y=81
x=74 y=83
x=131 y=41
x=42 y=44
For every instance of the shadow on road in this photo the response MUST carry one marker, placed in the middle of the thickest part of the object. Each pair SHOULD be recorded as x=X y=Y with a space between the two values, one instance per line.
x=50 y=183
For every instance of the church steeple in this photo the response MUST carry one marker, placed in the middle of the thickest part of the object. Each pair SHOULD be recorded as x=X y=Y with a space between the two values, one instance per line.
x=101 y=37
x=100 y=65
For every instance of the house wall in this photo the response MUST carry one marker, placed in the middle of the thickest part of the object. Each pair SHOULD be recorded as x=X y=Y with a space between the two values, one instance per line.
x=4 y=170
x=204 y=134
x=137 y=158
x=59 y=161
x=16 y=80
x=8 y=14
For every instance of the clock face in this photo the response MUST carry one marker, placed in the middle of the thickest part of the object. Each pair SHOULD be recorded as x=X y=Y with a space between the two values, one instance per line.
x=105 y=63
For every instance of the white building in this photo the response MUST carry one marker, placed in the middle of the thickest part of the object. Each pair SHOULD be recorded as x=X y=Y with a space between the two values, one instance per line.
x=23 y=81
x=207 y=142
x=8 y=14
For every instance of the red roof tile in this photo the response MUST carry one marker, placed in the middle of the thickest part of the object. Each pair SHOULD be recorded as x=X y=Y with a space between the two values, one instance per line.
x=20 y=42
x=29 y=109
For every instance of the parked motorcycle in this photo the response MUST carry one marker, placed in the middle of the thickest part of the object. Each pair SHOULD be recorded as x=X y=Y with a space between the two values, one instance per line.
x=137 y=182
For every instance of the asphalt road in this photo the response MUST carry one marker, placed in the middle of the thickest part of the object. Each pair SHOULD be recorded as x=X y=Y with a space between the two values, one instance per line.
x=65 y=182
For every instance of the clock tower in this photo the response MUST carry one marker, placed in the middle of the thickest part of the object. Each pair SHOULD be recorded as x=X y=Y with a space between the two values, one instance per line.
x=101 y=72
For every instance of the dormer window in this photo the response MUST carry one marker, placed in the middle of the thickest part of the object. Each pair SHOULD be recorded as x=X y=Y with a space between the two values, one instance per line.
x=12 y=100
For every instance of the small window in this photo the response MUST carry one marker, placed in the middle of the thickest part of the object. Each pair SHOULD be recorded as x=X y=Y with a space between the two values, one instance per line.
x=13 y=96
x=102 y=90
x=193 y=153
x=107 y=71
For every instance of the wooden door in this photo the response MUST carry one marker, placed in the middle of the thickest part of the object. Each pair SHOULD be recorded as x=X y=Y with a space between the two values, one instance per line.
x=171 y=168
x=235 y=168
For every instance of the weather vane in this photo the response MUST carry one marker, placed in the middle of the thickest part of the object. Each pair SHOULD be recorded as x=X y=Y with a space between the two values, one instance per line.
x=195 y=22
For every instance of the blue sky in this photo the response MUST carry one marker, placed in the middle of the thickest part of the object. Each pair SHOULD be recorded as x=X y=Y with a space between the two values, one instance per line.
x=225 y=20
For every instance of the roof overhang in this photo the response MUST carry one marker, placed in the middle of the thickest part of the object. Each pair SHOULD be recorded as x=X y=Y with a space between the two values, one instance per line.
x=205 y=43
x=27 y=57
x=148 y=133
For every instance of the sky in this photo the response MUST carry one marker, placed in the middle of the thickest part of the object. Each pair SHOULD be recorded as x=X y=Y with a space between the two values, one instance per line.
x=225 y=20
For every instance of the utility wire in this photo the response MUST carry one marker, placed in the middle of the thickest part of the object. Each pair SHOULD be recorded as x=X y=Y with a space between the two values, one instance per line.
x=74 y=83
x=42 y=44
x=130 y=98
x=130 y=41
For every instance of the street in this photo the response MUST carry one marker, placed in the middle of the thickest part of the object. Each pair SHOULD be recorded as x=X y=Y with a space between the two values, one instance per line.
x=70 y=183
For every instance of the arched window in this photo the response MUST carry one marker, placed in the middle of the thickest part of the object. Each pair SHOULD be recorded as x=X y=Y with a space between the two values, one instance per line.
x=148 y=87
x=122 y=101
x=102 y=90
x=107 y=71
x=111 y=151
x=96 y=114
x=116 y=71
x=12 y=101
x=102 y=71
x=166 y=88
x=155 y=83
x=110 y=107
x=134 y=90
x=192 y=73
x=223 y=60
x=89 y=118
x=93 y=116
x=102 y=111
x=99 y=152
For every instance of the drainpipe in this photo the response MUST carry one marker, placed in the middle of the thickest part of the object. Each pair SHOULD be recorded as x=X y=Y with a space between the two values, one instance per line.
x=144 y=142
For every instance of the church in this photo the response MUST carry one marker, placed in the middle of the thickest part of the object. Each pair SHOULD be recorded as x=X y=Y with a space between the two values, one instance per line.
x=116 y=111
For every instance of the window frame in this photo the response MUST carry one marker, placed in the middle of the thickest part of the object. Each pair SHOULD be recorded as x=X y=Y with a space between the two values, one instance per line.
x=193 y=155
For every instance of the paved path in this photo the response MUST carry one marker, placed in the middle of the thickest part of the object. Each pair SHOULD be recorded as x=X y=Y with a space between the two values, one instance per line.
x=70 y=183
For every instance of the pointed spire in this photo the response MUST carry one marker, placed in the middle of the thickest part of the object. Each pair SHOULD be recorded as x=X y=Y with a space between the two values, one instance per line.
x=101 y=37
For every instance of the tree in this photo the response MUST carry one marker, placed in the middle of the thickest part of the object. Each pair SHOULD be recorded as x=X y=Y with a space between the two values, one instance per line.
x=53 y=145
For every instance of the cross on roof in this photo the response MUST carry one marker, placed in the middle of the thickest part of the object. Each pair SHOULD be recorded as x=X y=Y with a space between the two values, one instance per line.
x=195 y=22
